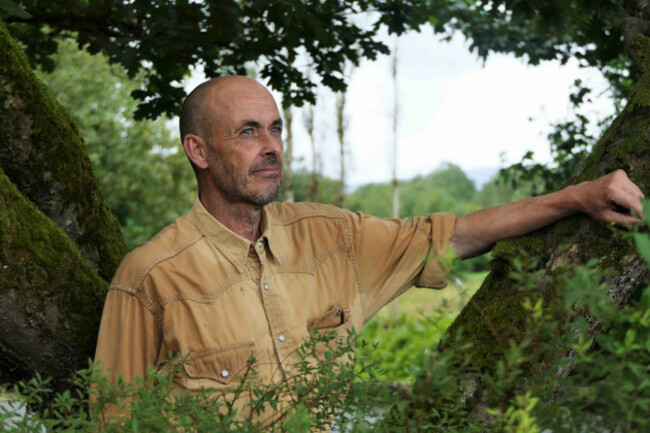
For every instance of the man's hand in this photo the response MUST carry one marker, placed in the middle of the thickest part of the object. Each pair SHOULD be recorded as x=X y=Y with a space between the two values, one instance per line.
x=611 y=198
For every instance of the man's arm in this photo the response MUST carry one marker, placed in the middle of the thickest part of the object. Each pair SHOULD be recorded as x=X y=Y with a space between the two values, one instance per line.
x=609 y=199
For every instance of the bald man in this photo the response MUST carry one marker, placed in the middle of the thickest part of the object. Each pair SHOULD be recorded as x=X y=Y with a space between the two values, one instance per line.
x=242 y=276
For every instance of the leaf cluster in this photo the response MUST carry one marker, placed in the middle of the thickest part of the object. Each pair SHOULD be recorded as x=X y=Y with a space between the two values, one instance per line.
x=165 y=39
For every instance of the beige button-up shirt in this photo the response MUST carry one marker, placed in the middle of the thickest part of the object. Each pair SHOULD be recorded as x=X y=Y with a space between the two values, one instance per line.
x=198 y=288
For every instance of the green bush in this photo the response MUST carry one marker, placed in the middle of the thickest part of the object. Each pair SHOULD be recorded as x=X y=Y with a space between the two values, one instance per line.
x=394 y=350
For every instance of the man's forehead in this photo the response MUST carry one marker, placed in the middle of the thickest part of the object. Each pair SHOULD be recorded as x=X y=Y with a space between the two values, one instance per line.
x=242 y=97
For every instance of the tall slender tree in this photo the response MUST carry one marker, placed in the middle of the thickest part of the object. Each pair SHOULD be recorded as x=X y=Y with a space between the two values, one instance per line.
x=341 y=128
x=289 y=193
x=314 y=176
x=394 y=182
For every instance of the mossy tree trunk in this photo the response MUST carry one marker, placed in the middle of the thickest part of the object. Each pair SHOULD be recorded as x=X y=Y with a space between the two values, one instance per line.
x=496 y=313
x=59 y=243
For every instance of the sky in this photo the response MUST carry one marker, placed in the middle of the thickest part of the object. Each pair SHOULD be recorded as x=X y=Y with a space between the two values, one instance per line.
x=453 y=107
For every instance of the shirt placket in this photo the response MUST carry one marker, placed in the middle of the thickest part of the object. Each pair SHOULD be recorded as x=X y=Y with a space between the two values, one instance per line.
x=273 y=310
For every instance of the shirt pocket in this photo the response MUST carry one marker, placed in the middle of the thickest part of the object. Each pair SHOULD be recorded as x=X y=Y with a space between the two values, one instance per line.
x=224 y=365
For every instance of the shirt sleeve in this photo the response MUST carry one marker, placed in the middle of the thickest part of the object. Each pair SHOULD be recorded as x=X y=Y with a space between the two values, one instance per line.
x=392 y=255
x=129 y=337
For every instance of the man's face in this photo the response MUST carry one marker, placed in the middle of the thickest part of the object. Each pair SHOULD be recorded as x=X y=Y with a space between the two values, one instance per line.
x=245 y=157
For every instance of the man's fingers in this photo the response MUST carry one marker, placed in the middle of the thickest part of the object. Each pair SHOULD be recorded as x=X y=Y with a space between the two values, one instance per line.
x=611 y=216
x=629 y=202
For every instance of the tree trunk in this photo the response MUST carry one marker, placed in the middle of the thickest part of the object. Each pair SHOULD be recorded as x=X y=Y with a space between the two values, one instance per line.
x=289 y=194
x=44 y=156
x=59 y=243
x=495 y=313
x=341 y=128
x=394 y=306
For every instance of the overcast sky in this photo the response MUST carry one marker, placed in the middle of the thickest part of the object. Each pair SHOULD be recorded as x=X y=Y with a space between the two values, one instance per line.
x=452 y=108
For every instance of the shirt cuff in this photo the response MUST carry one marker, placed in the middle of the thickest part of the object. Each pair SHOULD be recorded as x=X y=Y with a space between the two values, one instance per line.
x=437 y=263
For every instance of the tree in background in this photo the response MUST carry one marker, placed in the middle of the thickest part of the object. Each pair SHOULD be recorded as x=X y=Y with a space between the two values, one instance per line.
x=287 y=178
x=308 y=118
x=140 y=165
x=341 y=127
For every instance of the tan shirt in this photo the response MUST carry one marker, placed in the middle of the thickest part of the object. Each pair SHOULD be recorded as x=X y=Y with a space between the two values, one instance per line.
x=197 y=288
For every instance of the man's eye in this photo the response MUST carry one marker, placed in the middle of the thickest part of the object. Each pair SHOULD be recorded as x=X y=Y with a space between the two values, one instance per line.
x=247 y=131
x=277 y=129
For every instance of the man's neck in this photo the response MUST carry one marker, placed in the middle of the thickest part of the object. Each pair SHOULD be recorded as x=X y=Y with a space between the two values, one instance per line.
x=241 y=218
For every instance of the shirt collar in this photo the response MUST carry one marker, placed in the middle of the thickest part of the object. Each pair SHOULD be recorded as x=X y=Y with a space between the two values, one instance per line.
x=231 y=245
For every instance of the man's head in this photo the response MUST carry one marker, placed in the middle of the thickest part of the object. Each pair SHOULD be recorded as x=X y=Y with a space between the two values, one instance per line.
x=231 y=130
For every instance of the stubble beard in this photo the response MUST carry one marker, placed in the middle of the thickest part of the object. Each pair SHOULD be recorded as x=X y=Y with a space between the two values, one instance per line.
x=239 y=189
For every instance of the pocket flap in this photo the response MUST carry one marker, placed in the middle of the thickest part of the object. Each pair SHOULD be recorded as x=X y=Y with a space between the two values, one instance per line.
x=223 y=364
x=332 y=318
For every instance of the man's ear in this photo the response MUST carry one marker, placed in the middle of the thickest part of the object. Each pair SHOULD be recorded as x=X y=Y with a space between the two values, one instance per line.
x=196 y=150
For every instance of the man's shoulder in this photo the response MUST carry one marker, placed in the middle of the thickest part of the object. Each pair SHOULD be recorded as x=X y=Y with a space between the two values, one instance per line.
x=288 y=213
x=164 y=246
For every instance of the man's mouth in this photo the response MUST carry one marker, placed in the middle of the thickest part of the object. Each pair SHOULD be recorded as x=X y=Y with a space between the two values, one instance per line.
x=267 y=171
x=268 y=167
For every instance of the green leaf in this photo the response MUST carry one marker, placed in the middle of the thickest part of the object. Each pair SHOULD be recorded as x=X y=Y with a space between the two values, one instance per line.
x=642 y=241
x=11 y=8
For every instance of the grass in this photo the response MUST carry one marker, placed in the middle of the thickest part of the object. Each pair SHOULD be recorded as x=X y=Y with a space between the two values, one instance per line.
x=417 y=302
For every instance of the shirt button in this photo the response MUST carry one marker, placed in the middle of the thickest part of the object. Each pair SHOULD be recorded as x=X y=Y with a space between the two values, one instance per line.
x=281 y=337
x=260 y=244
x=224 y=373
x=266 y=286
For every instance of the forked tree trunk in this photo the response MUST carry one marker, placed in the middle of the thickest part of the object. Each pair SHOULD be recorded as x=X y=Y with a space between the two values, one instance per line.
x=59 y=243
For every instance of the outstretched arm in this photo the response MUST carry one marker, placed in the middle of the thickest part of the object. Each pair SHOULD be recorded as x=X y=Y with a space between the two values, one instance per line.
x=609 y=198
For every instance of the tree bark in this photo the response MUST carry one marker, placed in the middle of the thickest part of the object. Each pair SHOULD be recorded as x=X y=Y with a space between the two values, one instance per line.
x=44 y=156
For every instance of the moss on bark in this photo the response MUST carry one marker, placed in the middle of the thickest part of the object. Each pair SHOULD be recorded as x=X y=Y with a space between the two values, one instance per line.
x=43 y=155
x=51 y=300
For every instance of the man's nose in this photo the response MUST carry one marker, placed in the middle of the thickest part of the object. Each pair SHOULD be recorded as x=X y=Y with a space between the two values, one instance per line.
x=271 y=144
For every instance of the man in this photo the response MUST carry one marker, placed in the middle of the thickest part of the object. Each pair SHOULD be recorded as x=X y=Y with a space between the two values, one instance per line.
x=240 y=276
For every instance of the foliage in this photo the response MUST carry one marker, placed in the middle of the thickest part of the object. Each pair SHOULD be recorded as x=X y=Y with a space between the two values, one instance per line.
x=141 y=166
x=164 y=40
x=395 y=349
